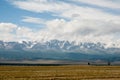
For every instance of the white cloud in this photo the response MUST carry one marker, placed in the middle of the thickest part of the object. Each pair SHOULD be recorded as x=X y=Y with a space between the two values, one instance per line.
x=83 y=30
x=6 y=31
x=113 y=4
x=13 y=32
x=24 y=33
x=85 y=23
x=40 y=5
x=7 y=27
x=67 y=10
x=88 y=13
x=33 y=20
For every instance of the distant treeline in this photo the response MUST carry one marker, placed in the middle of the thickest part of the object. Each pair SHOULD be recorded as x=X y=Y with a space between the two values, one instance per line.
x=26 y=64
x=29 y=64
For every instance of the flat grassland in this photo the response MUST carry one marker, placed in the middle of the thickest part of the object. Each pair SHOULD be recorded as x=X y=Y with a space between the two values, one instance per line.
x=66 y=72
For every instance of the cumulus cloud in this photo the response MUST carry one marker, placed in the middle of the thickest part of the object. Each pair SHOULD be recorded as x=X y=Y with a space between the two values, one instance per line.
x=6 y=31
x=7 y=27
x=85 y=31
x=84 y=23
x=13 y=32
x=82 y=30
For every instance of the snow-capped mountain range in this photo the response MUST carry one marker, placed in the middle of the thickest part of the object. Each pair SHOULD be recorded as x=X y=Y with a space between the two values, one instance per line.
x=57 y=45
x=57 y=49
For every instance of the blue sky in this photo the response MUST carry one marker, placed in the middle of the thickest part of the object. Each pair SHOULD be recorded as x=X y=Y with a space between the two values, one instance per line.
x=96 y=20
x=10 y=13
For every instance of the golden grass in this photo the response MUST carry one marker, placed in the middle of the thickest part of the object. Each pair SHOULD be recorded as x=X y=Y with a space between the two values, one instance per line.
x=69 y=72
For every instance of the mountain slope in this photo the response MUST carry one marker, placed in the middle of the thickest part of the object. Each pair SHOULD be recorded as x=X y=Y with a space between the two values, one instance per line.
x=56 y=49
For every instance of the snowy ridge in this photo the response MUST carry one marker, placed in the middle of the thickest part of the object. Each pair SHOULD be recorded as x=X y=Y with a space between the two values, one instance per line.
x=60 y=50
x=57 y=45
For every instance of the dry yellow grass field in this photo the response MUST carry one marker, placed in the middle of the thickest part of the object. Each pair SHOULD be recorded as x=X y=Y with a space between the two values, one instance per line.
x=67 y=72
